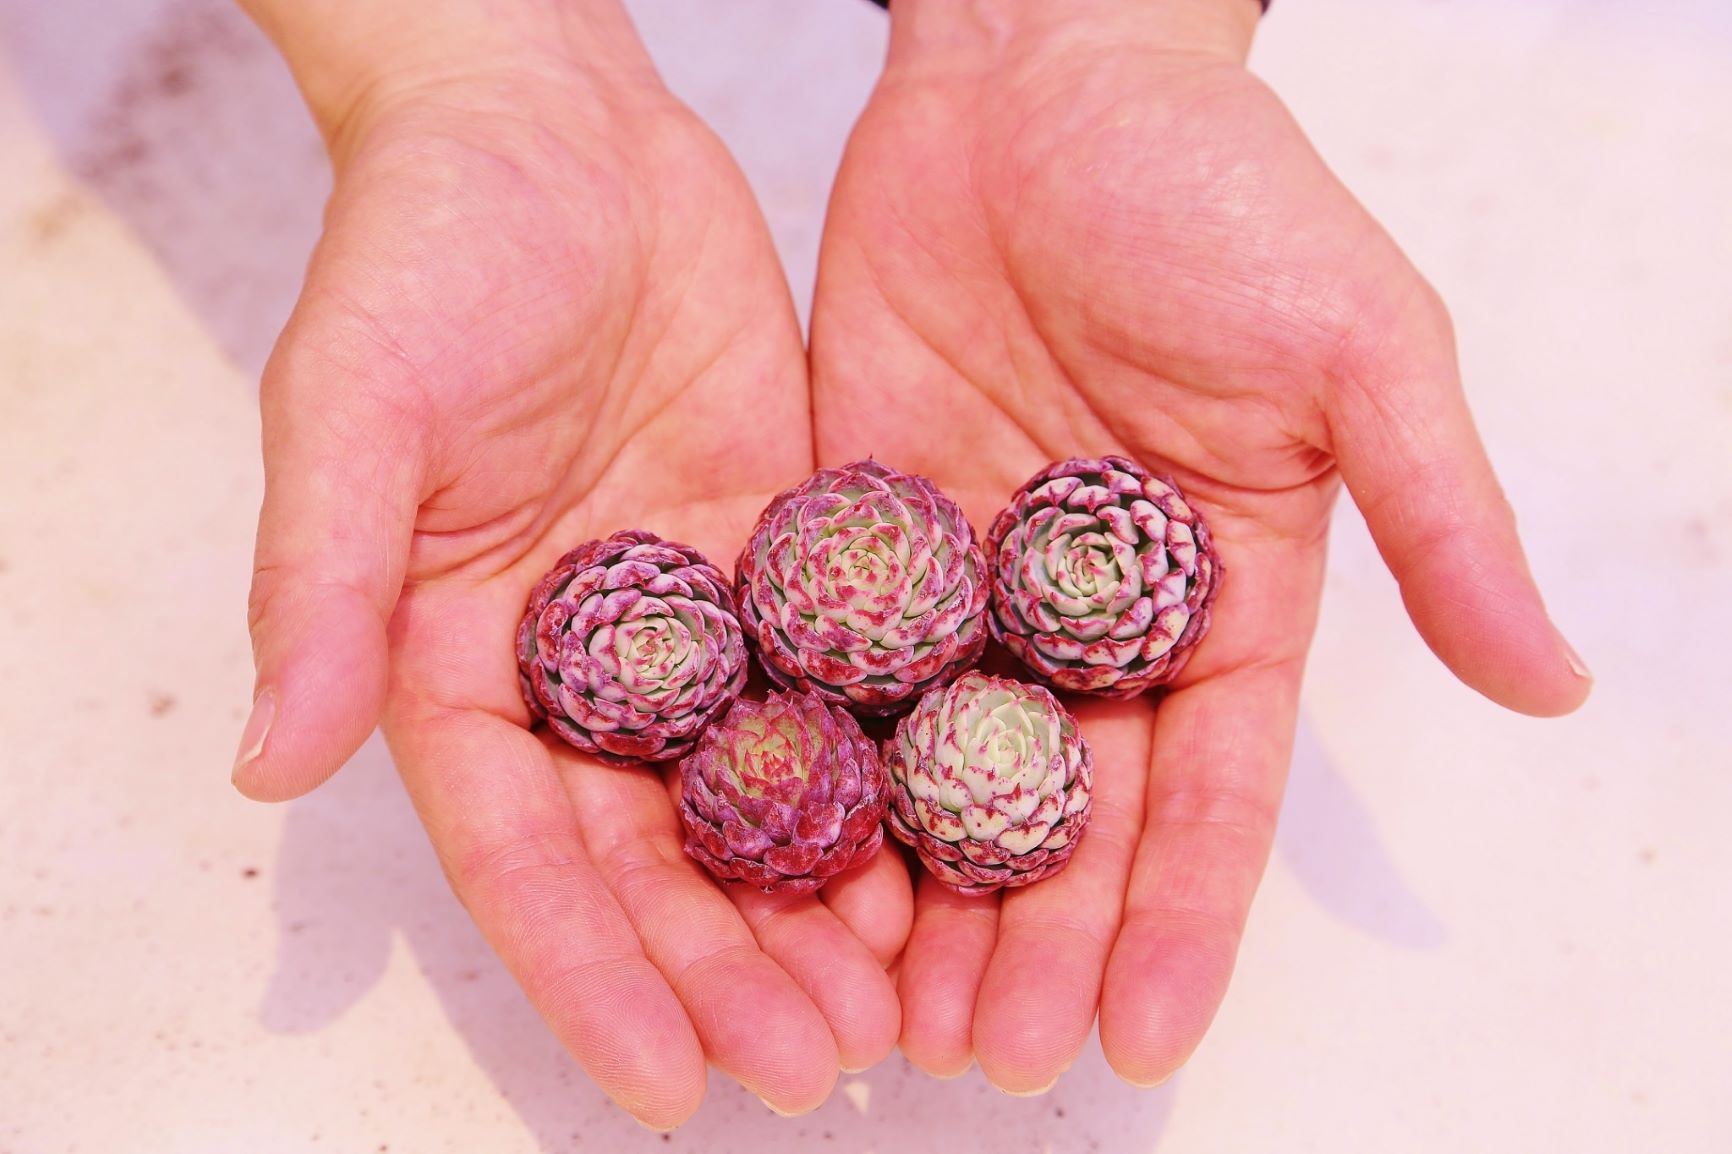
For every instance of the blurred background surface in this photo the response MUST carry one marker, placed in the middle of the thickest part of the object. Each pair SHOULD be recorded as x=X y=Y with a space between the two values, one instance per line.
x=1479 y=932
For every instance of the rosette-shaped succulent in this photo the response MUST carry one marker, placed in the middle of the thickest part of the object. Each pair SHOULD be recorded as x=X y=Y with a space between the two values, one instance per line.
x=783 y=794
x=630 y=646
x=1102 y=577
x=865 y=586
x=990 y=782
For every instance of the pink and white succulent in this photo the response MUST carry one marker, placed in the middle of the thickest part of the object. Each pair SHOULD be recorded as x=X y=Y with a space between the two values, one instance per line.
x=991 y=783
x=783 y=794
x=630 y=646
x=865 y=586
x=1102 y=577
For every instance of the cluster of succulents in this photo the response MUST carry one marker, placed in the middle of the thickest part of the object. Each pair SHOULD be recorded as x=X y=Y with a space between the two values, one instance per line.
x=864 y=591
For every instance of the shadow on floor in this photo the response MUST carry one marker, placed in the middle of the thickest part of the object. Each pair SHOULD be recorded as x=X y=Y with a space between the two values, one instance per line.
x=1329 y=841
x=201 y=146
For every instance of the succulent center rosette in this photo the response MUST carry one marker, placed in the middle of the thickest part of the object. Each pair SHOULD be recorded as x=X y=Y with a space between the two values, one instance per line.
x=630 y=646
x=1102 y=577
x=783 y=794
x=991 y=783
x=865 y=586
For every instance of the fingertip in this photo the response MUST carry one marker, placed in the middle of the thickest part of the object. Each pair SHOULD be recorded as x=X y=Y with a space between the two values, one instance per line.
x=1568 y=693
x=937 y=1031
x=670 y=1107
x=254 y=734
x=1024 y=1046
x=876 y=902
x=873 y=1048
x=944 y=1062
x=666 y=1103
x=1162 y=990
x=1016 y=1079
x=1140 y=1071
x=834 y=968
x=866 y=1033
x=322 y=672
x=651 y=1062
x=1560 y=698
x=750 y=1001
x=800 y=1090
x=940 y=975
x=1015 y=1093
x=1500 y=642
x=301 y=751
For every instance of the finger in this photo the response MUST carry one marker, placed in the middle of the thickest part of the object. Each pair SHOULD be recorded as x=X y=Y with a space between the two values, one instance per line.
x=342 y=478
x=1222 y=742
x=506 y=834
x=940 y=974
x=755 y=1021
x=1415 y=465
x=835 y=969
x=876 y=902
x=1038 y=997
x=1221 y=749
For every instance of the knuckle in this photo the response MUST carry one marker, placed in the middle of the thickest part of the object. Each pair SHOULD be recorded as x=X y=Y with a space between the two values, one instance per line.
x=523 y=857
x=1230 y=811
x=269 y=581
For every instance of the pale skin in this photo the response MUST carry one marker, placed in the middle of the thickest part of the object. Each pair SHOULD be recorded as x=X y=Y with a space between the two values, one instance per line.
x=545 y=307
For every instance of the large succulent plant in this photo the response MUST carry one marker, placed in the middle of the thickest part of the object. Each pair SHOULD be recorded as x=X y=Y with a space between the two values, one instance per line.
x=783 y=794
x=1102 y=577
x=865 y=586
x=991 y=783
x=630 y=646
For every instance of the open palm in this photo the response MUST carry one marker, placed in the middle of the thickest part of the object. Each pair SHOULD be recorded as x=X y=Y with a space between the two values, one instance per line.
x=536 y=317
x=1094 y=245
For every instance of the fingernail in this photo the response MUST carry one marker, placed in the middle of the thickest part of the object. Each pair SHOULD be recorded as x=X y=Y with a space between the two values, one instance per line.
x=776 y=1110
x=1030 y=1093
x=258 y=728
x=1579 y=666
x=1161 y=1081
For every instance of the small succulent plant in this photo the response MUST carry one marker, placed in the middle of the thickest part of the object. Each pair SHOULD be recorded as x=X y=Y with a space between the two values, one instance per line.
x=865 y=586
x=991 y=783
x=783 y=794
x=1102 y=577
x=630 y=647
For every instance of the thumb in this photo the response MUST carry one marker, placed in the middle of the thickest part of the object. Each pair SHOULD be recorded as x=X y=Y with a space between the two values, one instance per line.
x=343 y=471
x=1413 y=461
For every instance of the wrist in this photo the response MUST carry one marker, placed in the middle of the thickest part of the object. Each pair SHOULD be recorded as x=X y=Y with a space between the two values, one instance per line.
x=350 y=59
x=984 y=32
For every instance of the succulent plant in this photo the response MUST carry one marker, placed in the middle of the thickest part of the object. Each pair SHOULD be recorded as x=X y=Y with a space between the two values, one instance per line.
x=783 y=794
x=1102 y=577
x=865 y=586
x=630 y=646
x=990 y=782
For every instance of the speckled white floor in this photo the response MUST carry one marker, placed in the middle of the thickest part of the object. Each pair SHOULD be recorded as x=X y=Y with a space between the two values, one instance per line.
x=1479 y=932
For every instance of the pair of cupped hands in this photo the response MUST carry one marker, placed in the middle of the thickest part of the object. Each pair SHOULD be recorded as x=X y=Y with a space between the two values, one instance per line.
x=546 y=307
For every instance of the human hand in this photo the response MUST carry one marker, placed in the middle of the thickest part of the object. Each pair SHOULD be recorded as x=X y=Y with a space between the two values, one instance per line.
x=1075 y=228
x=545 y=307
